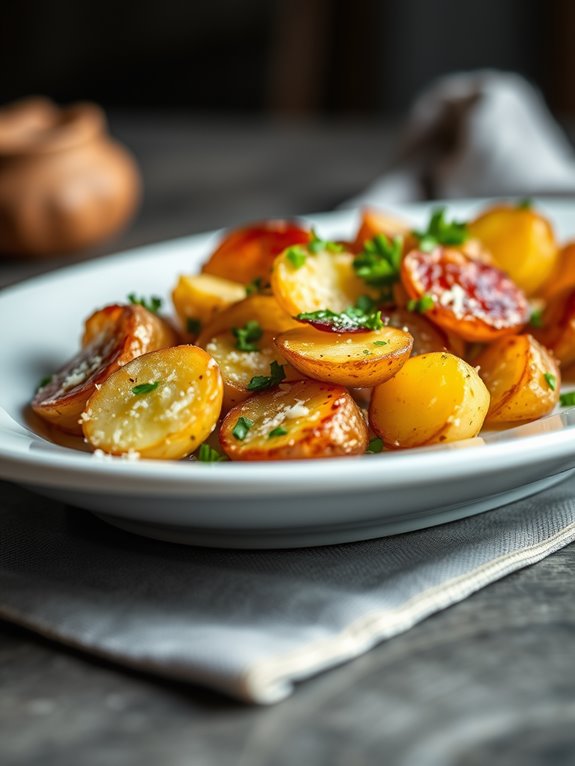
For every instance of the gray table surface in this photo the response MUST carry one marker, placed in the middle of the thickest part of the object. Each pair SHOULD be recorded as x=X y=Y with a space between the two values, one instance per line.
x=490 y=680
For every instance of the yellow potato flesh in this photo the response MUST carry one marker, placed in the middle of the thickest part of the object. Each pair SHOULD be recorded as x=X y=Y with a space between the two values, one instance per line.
x=239 y=367
x=202 y=296
x=434 y=398
x=168 y=422
x=349 y=359
x=325 y=281
x=522 y=243
x=319 y=420
x=514 y=370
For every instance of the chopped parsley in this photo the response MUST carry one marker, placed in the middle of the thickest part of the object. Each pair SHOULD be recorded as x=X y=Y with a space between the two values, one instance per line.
x=153 y=304
x=374 y=447
x=366 y=304
x=297 y=256
x=366 y=351
x=279 y=431
x=44 y=382
x=536 y=318
x=440 y=231
x=379 y=261
x=551 y=380
x=352 y=319
x=207 y=454
x=316 y=244
x=568 y=399
x=248 y=336
x=241 y=428
x=380 y=343
x=261 y=382
x=525 y=204
x=421 y=305
x=145 y=388
x=255 y=286
x=193 y=326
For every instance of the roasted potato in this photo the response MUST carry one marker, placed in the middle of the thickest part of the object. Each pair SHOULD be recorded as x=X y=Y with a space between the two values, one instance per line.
x=248 y=253
x=160 y=405
x=522 y=242
x=348 y=359
x=522 y=377
x=557 y=331
x=379 y=222
x=239 y=367
x=434 y=398
x=197 y=299
x=296 y=421
x=112 y=336
x=563 y=275
x=469 y=298
x=426 y=336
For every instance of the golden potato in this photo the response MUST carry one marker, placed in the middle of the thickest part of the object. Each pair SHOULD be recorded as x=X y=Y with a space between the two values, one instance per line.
x=557 y=331
x=361 y=359
x=427 y=336
x=320 y=280
x=522 y=242
x=112 y=336
x=563 y=275
x=296 y=421
x=239 y=367
x=160 y=405
x=375 y=222
x=434 y=398
x=197 y=299
x=522 y=377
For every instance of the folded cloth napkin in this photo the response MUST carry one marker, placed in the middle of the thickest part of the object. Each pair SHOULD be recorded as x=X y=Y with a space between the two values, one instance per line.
x=477 y=134
x=251 y=623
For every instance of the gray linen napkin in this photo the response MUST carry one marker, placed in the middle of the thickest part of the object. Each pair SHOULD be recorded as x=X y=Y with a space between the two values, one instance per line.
x=251 y=623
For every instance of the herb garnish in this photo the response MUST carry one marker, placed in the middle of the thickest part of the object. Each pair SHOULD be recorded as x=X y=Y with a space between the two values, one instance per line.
x=421 y=305
x=379 y=261
x=279 y=431
x=297 y=256
x=261 y=382
x=374 y=447
x=551 y=380
x=525 y=204
x=153 y=304
x=536 y=318
x=568 y=399
x=248 y=336
x=380 y=343
x=352 y=319
x=145 y=388
x=207 y=454
x=241 y=428
x=316 y=244
x=44 y=382
x=440 y=231
x=255 y=286
x=193 y=326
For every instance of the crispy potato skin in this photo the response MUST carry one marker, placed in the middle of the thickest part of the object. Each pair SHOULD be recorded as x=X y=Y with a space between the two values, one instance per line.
x=347 y=359
x=112 y=337
x=513 y=369
x=247 y=253
x=239 y=367
x=202 y=296
x=521 y=241
x=473 y=300
x=321 y=421
x=558 y=331
x=434 y=398
x=168 y=422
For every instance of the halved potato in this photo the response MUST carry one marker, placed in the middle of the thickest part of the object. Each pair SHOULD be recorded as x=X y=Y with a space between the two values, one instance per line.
x=324 y=280
x=434 y=398
x=297 y=421
x=112 y=337
x=160 y=405
x=522 y=377
x=349 y=359
x=197 y=299
x=558 y=326
x=263 y=309
x=427 y=337
x=248 y=253
x=239 y=367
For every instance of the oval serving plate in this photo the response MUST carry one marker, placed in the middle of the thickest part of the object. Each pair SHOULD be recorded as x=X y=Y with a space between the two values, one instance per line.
x=246 y=505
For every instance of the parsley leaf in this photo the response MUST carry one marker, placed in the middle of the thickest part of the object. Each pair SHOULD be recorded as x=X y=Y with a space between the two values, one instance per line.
x=568 y=399
x=297 y=256
x=525 y=204
x=421 y=305
x=261 y=382
x=379 y=261
x=248 y=336
x=241 y=428
x=153 y=304
x=441 y=232
x=145 y=388
x=255 y=286
x=536 y=318
x=207 y=454
x=374 y=447
x=350 y=320
x=193 y=326
x=316 y=244
x=551 y=380
x=380 y=343
x=279 y=431
x=365 y=303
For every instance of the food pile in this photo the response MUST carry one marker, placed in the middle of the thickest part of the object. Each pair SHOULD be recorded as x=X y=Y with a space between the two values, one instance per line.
x=289 y=346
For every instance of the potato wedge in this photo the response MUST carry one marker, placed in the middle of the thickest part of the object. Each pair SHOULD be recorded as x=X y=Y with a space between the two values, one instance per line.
x=197 y=299
x=324 y=280
x=239 y=367
x=160 y=405
x=112 y=337
x=263 y=309
x=297 y=421
x=558 y=326
x=434 y=398
x=522 y=377
x=467 y=297
x=349 y=359
x=248 y=253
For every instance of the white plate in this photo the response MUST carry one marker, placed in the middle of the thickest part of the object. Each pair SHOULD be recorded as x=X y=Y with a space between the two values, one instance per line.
x=249 y=504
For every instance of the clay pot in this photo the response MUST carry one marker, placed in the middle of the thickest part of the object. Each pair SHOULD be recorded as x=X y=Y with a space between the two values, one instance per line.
x=64 y=183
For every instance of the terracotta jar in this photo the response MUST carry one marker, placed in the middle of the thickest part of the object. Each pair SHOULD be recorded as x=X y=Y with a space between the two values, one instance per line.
x=64 y=183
